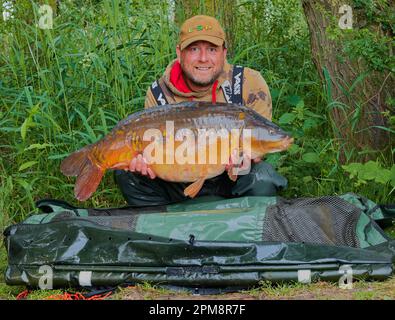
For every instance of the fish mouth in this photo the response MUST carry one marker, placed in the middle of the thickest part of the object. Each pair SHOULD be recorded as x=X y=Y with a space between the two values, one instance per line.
x=287 y=142
x=281 y=145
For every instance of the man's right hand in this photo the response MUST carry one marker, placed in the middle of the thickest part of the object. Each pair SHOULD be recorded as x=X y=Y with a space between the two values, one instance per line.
x=139 y=164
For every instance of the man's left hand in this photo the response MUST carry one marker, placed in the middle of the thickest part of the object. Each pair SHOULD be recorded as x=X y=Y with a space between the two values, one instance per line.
x=240 y=165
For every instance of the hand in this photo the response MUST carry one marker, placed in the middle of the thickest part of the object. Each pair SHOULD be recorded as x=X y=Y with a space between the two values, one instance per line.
x=234 y=160
x=139 y=164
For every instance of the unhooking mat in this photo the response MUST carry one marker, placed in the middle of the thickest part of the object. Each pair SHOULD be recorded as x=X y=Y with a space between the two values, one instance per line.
x=208 y=242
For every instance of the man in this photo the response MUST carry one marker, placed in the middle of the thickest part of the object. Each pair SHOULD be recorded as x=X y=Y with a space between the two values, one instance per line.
x=201 y=73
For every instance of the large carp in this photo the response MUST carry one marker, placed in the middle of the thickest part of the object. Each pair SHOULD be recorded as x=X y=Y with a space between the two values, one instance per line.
x=170 y=136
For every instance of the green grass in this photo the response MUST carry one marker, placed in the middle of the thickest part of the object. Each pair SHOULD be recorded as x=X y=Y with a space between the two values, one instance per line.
x=6 y=292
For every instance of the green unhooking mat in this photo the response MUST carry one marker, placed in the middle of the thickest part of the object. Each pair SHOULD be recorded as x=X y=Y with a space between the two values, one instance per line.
x=209 y=242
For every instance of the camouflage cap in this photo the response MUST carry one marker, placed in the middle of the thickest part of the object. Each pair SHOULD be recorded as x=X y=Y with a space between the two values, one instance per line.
x=203 y=28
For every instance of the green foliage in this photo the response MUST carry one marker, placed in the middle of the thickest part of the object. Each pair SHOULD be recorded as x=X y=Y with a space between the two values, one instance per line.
x=373 y=48
x=378 y=12
x=371 y=38
x=66 y=87
x=370 y=171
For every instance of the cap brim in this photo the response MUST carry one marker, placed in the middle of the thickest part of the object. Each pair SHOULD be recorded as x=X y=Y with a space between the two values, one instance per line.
x=214 y=40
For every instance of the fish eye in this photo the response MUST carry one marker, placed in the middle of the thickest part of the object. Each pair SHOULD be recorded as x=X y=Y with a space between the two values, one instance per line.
x=271 y=132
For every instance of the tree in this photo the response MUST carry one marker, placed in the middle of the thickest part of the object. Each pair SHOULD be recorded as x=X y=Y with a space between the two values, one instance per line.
x=352 y=49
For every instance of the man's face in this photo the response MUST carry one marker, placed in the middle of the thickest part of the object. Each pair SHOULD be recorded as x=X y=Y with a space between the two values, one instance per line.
x=202 y=62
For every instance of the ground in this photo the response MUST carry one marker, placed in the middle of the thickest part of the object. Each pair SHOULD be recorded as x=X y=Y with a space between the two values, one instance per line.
x=320 y=290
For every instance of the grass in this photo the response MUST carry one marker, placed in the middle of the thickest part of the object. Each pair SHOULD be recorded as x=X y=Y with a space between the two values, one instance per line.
x=67 y=87
x=6 y=292
x=361 y=290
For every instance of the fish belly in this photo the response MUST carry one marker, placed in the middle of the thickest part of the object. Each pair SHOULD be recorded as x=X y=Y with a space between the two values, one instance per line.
x=186 y=172
x=185 y=164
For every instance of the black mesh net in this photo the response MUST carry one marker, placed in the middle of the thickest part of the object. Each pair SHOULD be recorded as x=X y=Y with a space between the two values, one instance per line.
x=325 y=220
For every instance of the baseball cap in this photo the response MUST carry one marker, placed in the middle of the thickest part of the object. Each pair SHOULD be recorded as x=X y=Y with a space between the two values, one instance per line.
x=201 y=27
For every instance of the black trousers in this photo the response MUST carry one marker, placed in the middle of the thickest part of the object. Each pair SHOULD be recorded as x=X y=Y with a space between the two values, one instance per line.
x=139 y=190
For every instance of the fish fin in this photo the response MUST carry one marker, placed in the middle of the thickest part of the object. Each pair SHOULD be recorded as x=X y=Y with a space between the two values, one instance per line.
x=193 y=189
x=88 y=180
x=74 y=163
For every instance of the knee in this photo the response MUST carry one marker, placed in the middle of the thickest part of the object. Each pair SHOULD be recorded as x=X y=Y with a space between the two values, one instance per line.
x=264 y=171
x=120 y=176
x=262 y=180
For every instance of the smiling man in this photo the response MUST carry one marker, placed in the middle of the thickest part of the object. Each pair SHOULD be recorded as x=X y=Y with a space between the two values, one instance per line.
x=202 y=73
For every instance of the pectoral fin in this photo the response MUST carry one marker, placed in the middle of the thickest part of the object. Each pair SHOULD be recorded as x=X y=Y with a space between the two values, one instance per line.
x=193 y=189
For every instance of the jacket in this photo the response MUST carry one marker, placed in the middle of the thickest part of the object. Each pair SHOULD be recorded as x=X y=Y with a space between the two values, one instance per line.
x=255 y=92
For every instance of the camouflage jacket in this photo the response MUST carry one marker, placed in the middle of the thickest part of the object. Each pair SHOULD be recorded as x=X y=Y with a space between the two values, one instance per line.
x=255 y=92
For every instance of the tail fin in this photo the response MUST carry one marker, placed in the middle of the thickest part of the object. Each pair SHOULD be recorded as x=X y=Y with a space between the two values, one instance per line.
x=88 y=180
x=74 y=163
x=89 y=174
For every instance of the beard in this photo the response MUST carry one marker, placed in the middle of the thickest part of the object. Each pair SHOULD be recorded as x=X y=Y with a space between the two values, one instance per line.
x=198 y=82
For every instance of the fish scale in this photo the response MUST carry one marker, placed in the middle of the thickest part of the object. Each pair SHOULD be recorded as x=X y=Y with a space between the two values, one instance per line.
x=125 y=141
